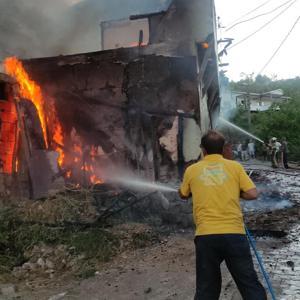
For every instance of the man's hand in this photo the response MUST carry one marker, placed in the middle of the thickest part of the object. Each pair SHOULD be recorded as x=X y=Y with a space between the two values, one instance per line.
x=183 y=196
x=250 y=194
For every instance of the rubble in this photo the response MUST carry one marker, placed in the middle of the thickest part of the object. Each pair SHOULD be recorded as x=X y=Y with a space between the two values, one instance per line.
x=45 y=261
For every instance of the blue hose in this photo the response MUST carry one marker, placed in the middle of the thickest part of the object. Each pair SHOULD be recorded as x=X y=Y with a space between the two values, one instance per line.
x=259 y=259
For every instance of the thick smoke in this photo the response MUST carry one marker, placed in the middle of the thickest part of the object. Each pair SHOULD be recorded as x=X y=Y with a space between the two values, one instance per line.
x=38 y=28
x=31 y=28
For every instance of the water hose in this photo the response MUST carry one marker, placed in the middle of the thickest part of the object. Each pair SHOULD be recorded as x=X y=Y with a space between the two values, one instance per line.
x=260 y=262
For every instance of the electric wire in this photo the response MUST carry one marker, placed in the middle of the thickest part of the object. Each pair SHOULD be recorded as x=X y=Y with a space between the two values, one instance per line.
x=263 y=26
x=280 y=45
x=257 y=16
x=250 y=12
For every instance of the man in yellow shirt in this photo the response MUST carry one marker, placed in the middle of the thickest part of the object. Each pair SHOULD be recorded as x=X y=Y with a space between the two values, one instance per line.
x=216 y=186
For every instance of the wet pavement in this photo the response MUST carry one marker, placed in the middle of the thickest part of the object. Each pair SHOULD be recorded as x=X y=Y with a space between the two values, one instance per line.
x=281 y=255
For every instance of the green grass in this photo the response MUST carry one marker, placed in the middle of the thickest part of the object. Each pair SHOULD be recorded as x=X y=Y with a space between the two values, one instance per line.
x=90 y=245
x=94 y=243
x=17 y=237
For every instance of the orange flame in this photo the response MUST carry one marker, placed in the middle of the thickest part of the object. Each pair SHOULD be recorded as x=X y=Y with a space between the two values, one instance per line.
x=77 y=149
x=17 y=166
x=28 y=89
x=32 y=91
x=58 y=139
x=95 y=180
x=57 y=132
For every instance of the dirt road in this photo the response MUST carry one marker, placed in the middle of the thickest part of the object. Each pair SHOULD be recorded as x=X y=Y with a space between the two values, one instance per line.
x=160 y=272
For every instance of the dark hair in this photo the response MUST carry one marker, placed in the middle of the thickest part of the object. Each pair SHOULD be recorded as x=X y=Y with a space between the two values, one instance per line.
x=213 y=142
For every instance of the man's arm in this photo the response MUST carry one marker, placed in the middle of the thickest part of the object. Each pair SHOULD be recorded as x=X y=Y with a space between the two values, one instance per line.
x=184 y=189
x=248 y=189
x=251 y=194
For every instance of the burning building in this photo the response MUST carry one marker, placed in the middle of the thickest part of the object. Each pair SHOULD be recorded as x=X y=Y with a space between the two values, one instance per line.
x=140 y=104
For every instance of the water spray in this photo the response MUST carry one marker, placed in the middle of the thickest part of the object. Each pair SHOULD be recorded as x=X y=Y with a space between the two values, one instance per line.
x=240 y=129
x=142 y=184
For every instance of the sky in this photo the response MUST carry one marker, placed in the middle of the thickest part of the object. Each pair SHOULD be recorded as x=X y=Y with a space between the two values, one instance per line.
x=251 y=55
x=37 y=28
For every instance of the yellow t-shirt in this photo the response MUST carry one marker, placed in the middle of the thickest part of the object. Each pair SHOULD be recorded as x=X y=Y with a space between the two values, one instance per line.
x=215 y=184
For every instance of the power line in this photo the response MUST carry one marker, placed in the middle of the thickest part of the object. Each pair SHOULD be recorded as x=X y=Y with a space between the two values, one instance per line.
x=257 y=16
x=250 y=12
x=263 y=26
x=280 y=45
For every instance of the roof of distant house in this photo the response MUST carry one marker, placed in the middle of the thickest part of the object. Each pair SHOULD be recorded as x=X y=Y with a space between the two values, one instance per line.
x=275 y=94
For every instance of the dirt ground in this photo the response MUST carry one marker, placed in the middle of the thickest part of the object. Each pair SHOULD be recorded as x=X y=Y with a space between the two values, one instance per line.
x=164 y=271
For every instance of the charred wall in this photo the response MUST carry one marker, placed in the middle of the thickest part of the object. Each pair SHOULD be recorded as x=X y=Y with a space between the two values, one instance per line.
x=121 y=101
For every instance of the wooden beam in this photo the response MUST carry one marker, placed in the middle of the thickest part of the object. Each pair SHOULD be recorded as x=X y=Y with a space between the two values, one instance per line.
x=211 y=98
x=209 y=81
x=25 y=143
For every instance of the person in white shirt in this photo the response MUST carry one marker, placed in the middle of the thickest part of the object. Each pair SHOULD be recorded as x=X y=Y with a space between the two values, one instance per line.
x=245 y=151
x=239 y=150
x=251 y=149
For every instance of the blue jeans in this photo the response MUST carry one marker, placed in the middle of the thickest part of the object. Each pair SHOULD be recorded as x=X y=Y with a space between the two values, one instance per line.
x=211 y=251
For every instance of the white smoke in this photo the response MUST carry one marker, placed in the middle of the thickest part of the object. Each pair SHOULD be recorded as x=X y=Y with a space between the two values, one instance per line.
x=228 y=102
x=39 y=28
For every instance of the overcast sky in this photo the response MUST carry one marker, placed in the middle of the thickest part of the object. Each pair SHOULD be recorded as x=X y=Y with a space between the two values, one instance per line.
x=251 y=55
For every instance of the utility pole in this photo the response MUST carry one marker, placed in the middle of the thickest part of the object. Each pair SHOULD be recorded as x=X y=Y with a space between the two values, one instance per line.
x=248 y=103
x=248 y=98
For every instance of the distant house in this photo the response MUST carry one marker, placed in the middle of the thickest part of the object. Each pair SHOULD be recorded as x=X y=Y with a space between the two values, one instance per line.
x=260 y=101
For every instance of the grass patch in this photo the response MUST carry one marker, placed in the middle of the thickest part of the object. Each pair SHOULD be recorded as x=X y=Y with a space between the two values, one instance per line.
x=87 y=246
x=17 y=237
x=94 y=243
